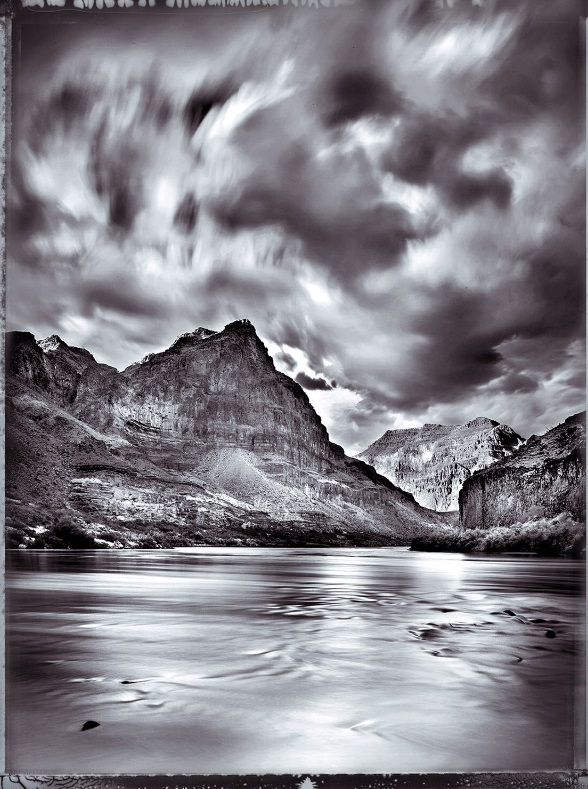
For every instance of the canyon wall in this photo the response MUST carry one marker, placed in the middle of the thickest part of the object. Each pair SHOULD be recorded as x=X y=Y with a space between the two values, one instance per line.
x=206 y=433
x=545 y=477
x=432 y=462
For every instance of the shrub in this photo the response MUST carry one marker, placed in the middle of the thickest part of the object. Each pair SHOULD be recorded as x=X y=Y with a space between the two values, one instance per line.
x=559 y=536
x=65 y=533
x=13 y=537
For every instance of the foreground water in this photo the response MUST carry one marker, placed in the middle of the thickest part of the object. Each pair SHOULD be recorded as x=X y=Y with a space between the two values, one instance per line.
x=290 y=661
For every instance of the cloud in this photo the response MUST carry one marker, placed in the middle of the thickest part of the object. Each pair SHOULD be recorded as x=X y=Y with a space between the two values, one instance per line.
x=430 y=149
x=316 y=190
x=352 y=94
x=538 y=70
x=201 y=102
x=410 y=226
x=186 y=214
x=308 y=382
x=285 y=360
x=121 y=294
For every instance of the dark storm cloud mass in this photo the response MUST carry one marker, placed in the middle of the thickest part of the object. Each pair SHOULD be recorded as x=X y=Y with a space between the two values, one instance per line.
x=116 y=177
x=332 y=202
x=393 y=192
x=119 y=296
x=352 y=94
x=335 y=236
x=463 y=330
x=541 y=66
x=427 y=149
x=120 y=157
x=310 y=382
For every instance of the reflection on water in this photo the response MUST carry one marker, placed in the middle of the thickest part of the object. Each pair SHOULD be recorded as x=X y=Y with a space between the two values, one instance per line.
x=288 y=660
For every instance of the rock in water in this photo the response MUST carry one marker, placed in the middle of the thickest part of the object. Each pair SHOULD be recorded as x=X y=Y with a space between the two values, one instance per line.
x=432 y=462
x=544 y=478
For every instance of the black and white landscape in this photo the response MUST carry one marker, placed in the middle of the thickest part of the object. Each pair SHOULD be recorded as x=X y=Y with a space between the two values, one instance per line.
x=206 y=443
x=295 y=296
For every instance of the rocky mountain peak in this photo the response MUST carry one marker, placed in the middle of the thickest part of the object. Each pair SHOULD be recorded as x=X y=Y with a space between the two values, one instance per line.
x=203 y=333
x=25 y=357
x=433 y=461
x=482 y=422
x=52 y=343
x=50 y=364
x=242 y=329
x=198 y=334
x=14 y=339
x=242 y=324
x=187 y=338
x=79 y=357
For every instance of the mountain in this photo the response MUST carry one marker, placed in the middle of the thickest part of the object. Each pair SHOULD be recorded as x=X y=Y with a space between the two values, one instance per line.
x=432 y=462
x=544 y=478
x=203 y=443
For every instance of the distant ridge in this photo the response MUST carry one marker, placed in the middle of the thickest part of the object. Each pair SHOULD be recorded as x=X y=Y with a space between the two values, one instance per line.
x=432 y=462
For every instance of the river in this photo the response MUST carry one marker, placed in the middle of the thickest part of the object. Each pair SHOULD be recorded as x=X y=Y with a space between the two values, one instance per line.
x=244 y=660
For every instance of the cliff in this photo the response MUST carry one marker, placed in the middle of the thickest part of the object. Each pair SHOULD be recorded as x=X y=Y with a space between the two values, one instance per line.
x=432 y=462
x=543 y=479
x=203 y=443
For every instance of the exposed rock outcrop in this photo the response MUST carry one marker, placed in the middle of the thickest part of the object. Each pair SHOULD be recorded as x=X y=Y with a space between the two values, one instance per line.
x=432 y=462
x=204 y=439
x=544 y=478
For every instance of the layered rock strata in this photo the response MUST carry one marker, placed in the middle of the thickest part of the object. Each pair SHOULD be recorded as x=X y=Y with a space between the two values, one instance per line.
x=432 y=462
x=203 y=437
x=544 y=478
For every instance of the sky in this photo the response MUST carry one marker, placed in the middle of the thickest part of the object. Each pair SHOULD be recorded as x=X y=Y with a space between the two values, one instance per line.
x=393 y=193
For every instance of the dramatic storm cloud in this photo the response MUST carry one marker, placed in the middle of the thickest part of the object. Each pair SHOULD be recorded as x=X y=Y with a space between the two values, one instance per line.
x=393 y=193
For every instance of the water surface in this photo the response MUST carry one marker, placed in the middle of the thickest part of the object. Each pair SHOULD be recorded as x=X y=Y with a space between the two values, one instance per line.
x=243 y=660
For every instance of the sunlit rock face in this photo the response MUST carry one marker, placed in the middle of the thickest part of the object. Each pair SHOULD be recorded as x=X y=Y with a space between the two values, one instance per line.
x=206 y=434
x=218 y=390
x=545 y=477
x=432 y=462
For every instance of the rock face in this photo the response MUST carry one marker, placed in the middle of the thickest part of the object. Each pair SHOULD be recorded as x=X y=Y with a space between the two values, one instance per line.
x=432 y=462
x=543 y=479
x=204 y=439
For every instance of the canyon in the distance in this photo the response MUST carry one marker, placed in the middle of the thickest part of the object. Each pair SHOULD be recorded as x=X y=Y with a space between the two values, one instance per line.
x=433 y=462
